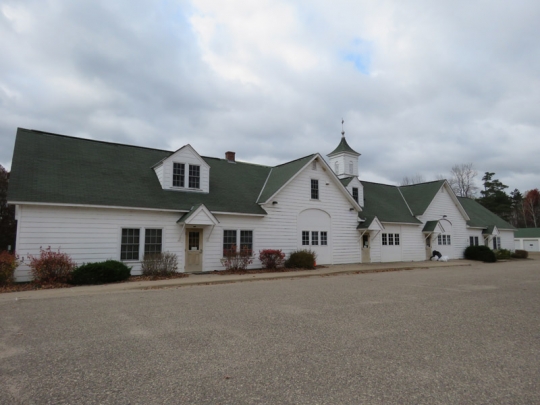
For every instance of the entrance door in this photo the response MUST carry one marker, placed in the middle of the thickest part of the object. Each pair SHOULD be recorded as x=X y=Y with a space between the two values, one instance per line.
x=366 y=254
x=194 y=250
x=428 y=248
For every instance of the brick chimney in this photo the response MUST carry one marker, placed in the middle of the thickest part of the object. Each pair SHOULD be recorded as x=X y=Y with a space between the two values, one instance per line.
x=230 y=156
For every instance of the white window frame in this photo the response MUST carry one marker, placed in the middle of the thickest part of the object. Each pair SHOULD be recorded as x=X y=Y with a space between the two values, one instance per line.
x=187 y=176
x=142 y=241
x=318 y=190
x=238 y=233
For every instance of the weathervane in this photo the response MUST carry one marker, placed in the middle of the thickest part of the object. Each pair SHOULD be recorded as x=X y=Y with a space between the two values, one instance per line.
x=342 y=130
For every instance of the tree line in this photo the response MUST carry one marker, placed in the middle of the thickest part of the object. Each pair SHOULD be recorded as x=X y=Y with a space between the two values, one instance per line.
x=522 y=210
x=8 y=225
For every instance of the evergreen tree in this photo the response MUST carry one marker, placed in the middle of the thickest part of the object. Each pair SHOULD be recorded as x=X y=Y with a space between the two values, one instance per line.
x=494 y=198
x=7 y=214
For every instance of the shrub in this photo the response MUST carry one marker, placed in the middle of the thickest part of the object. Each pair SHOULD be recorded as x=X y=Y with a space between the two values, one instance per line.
x=301 y=259
x=271 y=258
x=237 y=260
x=51 y=267
x=503 y=254
x=481 y=253
x=520 y=254
x=159 y=264
x=8 y=264
x=109 y=271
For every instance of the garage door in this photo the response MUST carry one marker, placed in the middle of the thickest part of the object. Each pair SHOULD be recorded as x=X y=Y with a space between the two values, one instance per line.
x=531 y=245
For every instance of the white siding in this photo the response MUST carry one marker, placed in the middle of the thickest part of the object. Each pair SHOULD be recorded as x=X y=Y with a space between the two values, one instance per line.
x=344 y=160
x=89 y=234
x=507 y=239
x=356 y=183
x=281 y=228
x=441 y=205
x=413 y=243
x=159 y=173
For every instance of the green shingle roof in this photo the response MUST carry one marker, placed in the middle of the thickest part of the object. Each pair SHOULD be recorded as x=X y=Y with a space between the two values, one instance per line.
x=279 y=175
x=430 y=226
x=527 y=233
x=343 y=147
x=419 y=196
x=54 y=168
x=386 y=203
x=481 y=217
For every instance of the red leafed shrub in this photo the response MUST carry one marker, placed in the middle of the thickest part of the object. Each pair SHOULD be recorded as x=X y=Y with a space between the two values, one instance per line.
x=8 y=264
x=51 y=267
x=237 y=260
x=271 y=259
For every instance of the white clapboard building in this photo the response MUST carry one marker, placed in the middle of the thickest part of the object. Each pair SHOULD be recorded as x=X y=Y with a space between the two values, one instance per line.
x=100 y=200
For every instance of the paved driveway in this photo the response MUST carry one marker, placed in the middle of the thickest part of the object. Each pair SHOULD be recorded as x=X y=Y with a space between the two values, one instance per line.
x=428 y=336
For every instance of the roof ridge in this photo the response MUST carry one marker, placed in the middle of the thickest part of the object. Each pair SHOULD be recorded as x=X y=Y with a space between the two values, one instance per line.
x=91 y=140
x=295 y=160
x=373 y=182
x=424 y=182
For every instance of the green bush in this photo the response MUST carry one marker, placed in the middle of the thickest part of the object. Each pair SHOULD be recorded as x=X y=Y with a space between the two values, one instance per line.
x=301 y=259
x=520 y=254
x=481 y=253
x=109 y=271
x=159 y=264
x=503 y=254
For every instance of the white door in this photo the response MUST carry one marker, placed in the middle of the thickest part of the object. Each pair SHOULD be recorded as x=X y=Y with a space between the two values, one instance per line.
x=194 y=250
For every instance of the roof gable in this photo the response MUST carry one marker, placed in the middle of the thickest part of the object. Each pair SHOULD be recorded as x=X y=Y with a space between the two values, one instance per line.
x=280 y=175
x=386 y=203
x=419 y=196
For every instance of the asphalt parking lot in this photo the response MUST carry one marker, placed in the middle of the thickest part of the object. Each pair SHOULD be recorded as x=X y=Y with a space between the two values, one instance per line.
x=449 y=335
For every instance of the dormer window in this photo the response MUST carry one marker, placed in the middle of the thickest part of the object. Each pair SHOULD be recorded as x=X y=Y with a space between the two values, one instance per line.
x=178 y=174
x=355 y=193
x=194 y=176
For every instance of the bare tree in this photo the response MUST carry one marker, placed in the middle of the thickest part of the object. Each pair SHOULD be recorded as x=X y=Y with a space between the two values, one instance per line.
x=462 y=180
x=531 y=205
x=417 y=178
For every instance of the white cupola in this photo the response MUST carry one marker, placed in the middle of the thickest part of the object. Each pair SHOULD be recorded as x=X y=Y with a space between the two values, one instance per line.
x=344 y=159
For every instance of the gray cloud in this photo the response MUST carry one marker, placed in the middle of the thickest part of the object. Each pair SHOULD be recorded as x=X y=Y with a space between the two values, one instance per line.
x=446 y=83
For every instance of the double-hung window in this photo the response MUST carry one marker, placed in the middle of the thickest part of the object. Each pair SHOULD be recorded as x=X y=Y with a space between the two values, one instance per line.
x=355 y=193
x=178 y=174
x=229 y=240
x=305 y=238
x=385 y=239
x=496 y=243
x=314 y=189
x=324 y=238
x=129 y=249
x=246 y=241
x=194 y=176
x=473 y=240
x=130 y=245
x=314 y=237
x=152 y=241
x=237 y=240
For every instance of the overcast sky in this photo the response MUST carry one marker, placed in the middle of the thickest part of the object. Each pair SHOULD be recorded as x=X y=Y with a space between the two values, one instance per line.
x=422 y=85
